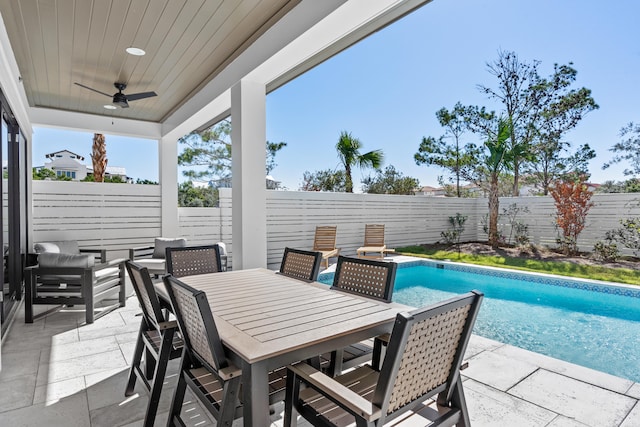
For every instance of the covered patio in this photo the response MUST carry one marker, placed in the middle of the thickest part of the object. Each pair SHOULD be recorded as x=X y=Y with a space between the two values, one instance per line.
x=62 y=371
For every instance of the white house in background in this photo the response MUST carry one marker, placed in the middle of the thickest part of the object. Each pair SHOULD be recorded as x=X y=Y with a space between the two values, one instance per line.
x=429 y=191
x=66 y=163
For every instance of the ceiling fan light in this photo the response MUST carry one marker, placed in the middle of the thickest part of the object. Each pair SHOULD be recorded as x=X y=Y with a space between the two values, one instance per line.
x=135 y=51
x=110 y=106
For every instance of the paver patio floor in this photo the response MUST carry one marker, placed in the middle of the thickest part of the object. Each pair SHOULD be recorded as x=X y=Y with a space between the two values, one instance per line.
x=59 y=371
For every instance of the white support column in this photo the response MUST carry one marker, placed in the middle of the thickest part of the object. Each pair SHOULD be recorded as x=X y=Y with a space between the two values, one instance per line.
x=168 y=159
x=249 y=211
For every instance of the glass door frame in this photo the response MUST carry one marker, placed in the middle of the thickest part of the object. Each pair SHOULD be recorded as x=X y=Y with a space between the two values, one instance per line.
x=16 y=211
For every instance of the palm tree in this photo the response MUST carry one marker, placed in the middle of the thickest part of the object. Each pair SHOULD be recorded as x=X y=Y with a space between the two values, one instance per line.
x=348 y=149
x=495 y=162
x=99 y=157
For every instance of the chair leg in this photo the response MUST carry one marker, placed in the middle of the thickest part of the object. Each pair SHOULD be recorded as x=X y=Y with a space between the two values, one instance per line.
x=335 y=366
x=123 y=286
x=458 y=401
x=149 y=364
x=158 y=377
x=87 y=290
x=178 y=398
x=137 y=358
x=28 y=297
x=231 y=390
x=291 y=395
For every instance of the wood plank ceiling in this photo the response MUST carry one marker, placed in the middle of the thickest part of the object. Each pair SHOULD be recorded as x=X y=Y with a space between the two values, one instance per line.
x=187 y=42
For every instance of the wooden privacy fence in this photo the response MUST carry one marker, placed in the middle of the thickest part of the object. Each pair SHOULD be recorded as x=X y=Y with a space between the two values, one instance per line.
x=120 y=216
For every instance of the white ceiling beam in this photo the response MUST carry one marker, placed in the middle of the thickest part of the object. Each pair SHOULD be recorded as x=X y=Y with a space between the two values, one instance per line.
x=83 y=122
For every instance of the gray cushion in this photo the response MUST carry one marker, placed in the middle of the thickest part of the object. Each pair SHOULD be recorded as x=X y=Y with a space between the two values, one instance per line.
x=62 y=246
x=162 y=243
x=46 y=247
x=51 y=259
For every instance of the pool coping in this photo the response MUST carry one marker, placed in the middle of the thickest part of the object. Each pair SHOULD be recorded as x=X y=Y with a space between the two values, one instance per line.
x=601 y=286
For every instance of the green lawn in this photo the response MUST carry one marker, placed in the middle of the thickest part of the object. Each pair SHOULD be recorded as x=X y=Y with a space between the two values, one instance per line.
x=620 y=275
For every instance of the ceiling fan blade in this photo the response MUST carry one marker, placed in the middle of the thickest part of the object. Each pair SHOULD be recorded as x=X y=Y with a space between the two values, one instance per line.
x=95 y=90
x=141 y=95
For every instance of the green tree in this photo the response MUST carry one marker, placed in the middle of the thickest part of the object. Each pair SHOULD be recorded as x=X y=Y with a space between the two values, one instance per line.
x=515 y=78
x=390 y=181
x=324 y=180
x=629 y=186
x=628 y=149
x=40 y=174
x=453 y=157
x=208 y=153
x=190 y=196
x=349 y=154
x=559 y=109
x=541 y=111
x=492 y=163
x=551 y=166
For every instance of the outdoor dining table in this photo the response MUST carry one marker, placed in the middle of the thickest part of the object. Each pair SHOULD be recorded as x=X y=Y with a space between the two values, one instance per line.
x=267 y=320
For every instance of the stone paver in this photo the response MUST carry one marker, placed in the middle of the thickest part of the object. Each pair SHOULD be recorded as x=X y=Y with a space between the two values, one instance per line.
x=488 y=368
x=575 y=399
x=64 y=372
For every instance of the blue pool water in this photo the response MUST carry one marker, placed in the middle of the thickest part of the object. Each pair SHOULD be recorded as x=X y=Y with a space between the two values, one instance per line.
x=598 y=330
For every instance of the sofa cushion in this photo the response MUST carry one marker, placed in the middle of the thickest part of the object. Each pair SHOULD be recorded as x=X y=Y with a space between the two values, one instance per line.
x=62 y=260
x=154 y=265
x=46 y=247
x=62 y=246
x=162 y=243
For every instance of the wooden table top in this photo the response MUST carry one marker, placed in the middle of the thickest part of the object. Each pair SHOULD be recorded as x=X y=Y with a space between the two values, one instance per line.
x=260 y=314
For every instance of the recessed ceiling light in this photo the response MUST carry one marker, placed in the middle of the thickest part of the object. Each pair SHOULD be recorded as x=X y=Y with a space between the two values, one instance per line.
x=135 y=51
x=110 y=107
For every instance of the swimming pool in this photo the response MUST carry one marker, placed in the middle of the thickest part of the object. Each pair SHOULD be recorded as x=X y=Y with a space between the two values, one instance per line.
x=583 y=322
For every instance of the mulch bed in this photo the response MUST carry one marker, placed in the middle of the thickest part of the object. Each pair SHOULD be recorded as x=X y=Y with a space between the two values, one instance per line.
x=535 y=253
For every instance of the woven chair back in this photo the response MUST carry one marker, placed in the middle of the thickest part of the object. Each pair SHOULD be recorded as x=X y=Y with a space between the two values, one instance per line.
x=146 y=293
x=366 y=277
x=428 y=344
x=325 y=238
x=374 y=235
x=299 y=264
x=196 y=323
x=193 y=260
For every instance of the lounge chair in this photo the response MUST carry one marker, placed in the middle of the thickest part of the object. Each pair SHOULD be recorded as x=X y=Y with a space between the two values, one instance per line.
x=325 y=242
x=423 y=361
x=373 y=242
x=153 y=257
x=67 y=275
x=301 y=265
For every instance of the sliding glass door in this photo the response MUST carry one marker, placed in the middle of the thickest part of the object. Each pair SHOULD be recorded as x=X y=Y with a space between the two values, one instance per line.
x=13 y=212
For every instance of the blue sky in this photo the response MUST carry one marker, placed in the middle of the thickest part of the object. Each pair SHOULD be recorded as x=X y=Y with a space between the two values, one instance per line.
x=386 y=89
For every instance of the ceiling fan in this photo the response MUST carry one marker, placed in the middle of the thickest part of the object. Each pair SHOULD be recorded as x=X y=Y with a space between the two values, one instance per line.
x=120 y=98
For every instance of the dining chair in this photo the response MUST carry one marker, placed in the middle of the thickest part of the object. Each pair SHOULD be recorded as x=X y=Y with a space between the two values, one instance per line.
x=204 y=367
x=157 y=340
x=369 y=278
x=192 y=260
x=424 y=358
x=299 y=264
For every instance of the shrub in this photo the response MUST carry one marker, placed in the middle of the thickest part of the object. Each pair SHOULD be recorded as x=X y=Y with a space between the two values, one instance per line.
x=607 y=250
x=452 y=235
x=573 y=201
x=629 y=234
